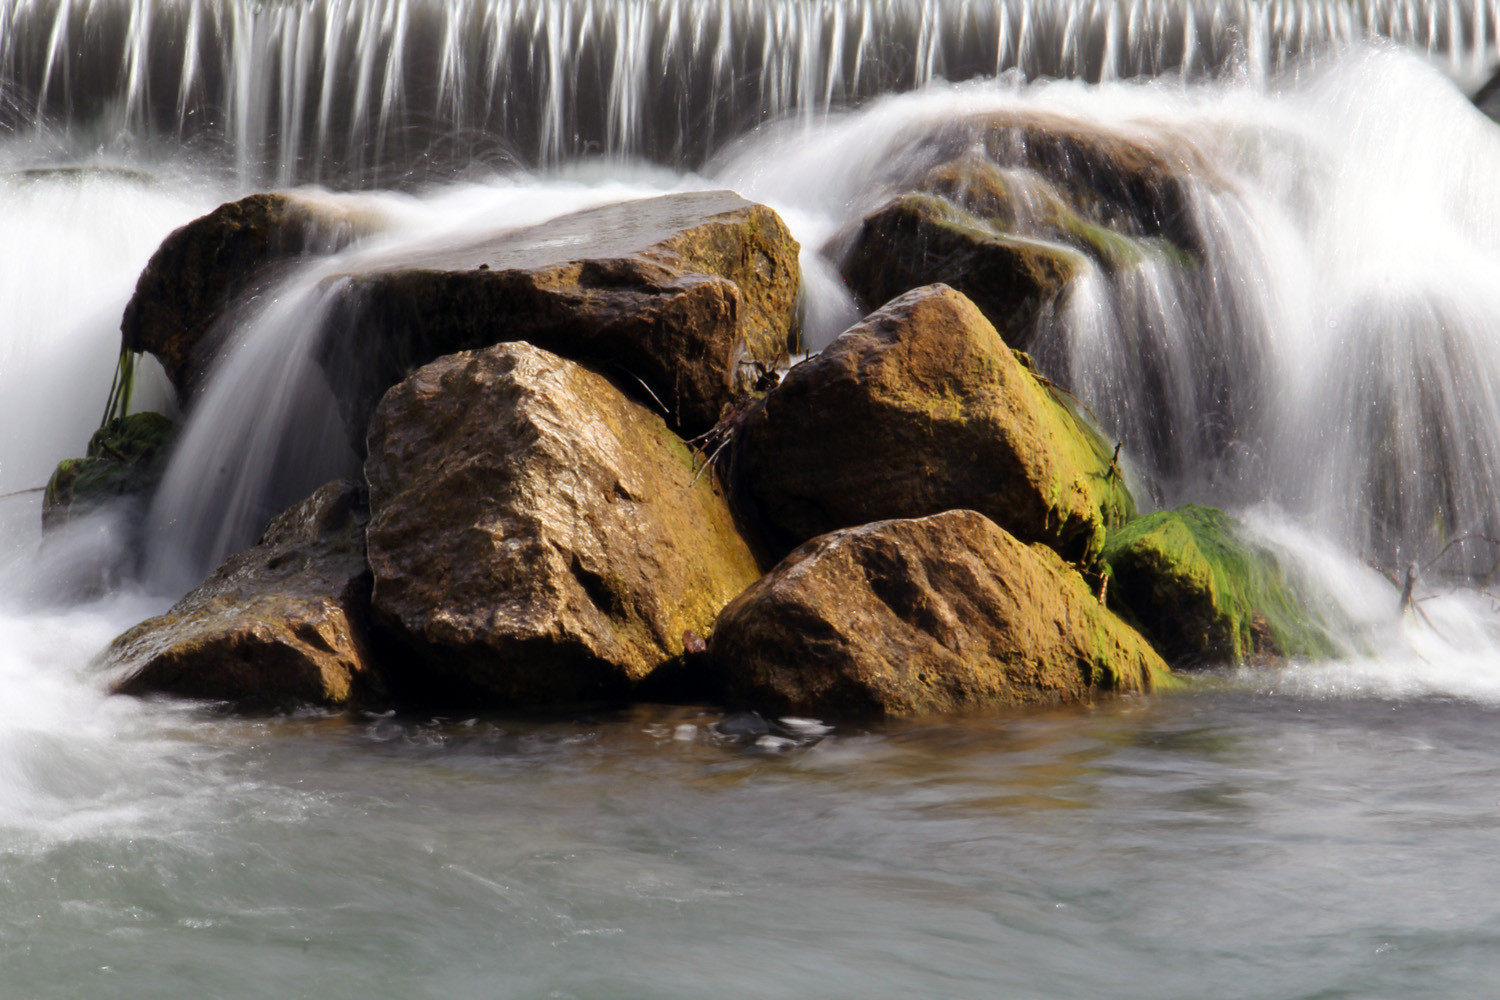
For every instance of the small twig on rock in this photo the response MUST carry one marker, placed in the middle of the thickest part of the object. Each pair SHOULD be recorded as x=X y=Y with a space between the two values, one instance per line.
x=664 y=410
x=1114 y=463
x=710 y=460
x=1471 y=537
x=18 y=493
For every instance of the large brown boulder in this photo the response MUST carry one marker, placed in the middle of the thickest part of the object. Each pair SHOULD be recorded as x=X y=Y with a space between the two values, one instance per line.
x=674 y=298
x=922 y=408
x=198 y=272
x=535 y=536
x=278 y=625
x=940 y=614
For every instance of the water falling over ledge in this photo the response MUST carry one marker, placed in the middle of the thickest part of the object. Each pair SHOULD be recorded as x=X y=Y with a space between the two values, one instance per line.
x=383 y=92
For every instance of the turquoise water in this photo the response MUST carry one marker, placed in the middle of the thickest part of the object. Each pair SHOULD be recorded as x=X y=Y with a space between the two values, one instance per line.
x=1225 y=842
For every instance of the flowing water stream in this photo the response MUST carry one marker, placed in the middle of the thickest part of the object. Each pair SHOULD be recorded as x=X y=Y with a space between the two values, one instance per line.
x=1330 y=372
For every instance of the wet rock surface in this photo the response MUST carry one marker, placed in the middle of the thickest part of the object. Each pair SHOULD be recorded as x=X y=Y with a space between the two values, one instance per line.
x=674 y=298
x=197 y=273
x=276 y=626
x=922 y=408
x=935 y=615
x=919 y=239
x=1009 y=207
x=538 y=537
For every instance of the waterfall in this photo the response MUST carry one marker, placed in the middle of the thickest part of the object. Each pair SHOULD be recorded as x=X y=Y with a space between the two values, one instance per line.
x=1326 y=352
x=381 y=92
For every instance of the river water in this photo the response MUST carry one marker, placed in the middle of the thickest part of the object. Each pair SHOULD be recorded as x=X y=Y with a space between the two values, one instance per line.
x=1317 y=830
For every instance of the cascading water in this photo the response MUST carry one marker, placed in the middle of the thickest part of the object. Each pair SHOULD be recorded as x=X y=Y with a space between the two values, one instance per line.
x=374 y=92
x=1318 y=349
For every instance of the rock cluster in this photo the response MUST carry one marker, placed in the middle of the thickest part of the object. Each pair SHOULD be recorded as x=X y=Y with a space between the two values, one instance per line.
x=534 y=527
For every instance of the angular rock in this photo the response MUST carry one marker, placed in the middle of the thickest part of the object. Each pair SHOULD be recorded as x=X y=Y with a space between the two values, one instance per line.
x=922 y=408
x=278 y=625
x=941 y=614
x=536 y=536
x=672 y=297
x=200 y=269
x=1204 y=596
x=125 y=459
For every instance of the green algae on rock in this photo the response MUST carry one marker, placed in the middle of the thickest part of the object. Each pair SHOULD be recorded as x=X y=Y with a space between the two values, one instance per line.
x=1009 y=207
x=125 y=459
x=1203 y=595
x=936 y=615
x=279 y=625
x=919 y=239
x=922 y=408
x=536 y=536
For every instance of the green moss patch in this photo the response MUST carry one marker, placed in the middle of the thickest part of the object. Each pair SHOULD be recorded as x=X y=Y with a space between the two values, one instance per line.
x=1202 y=595
x=125 y=457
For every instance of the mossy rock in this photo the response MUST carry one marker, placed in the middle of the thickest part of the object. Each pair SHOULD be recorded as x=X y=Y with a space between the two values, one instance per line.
x=921 y=239
x=935 y=615
x=125 y=458
x=1205 y=596
x=918 y=409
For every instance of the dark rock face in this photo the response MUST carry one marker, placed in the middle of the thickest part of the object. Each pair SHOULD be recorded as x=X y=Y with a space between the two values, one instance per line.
x=276 y=626
x=1204 y=596
x=199 y=270
x=673 y=298
x=941 y=614
x=922 y=408
x=536 y=536
x=918 y=239
x=1007 y=207
x=125 y=459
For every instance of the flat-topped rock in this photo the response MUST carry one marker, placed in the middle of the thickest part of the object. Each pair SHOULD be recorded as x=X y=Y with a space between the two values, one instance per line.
x=672 y=298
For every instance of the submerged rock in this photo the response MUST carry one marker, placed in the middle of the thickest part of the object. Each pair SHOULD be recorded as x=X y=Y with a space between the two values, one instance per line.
x=192 y=280
x=124 y=461
x=536 y=536
x=1203 y=595
x=279 y=625
x=922 y=408
x=941 y=614
x=673 y=298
